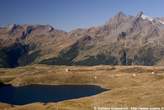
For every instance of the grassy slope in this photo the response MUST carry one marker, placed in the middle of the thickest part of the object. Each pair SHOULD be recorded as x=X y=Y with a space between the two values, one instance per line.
x=127 y=89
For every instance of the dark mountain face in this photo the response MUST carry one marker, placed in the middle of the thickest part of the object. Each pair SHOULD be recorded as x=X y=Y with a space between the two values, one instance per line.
x=123 y=40
x=26 y=44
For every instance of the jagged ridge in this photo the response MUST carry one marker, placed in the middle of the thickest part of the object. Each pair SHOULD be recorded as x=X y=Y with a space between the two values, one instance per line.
x=123 y=40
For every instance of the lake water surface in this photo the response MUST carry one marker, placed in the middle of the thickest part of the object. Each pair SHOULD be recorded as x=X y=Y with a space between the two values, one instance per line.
x=46 y=93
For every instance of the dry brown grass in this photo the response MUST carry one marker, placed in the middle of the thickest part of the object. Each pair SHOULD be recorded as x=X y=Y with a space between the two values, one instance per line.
x=142 y=90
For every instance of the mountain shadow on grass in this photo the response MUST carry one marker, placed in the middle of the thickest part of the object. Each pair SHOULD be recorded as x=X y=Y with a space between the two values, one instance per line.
x=65 y=57
x=99 y=59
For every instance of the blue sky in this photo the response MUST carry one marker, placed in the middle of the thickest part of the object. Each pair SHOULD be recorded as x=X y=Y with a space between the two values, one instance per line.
x=71 y=14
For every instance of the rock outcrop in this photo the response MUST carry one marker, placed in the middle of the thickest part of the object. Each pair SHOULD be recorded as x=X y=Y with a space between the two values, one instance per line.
x=123 y=40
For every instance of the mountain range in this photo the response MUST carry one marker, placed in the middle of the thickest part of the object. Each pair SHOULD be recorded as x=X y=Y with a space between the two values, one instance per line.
x=123 y=40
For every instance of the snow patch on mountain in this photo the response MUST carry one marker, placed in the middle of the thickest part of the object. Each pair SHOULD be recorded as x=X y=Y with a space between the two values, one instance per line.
x=162 y=22
x=147 y=17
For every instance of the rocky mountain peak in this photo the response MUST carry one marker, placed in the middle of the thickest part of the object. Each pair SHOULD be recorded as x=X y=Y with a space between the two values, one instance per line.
x=117 y=19
x=123 y=40
x=12 y=27
x=139 y=14
x=120 y=13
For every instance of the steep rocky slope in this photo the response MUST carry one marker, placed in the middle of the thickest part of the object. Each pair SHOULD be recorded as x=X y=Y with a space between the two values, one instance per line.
x=123 y=40
x=25 y=44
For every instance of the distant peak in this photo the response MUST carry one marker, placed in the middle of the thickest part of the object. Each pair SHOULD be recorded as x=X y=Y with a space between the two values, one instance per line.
x=119 y=16
x=139 y=14
x=120 y=13
x=12 y=25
